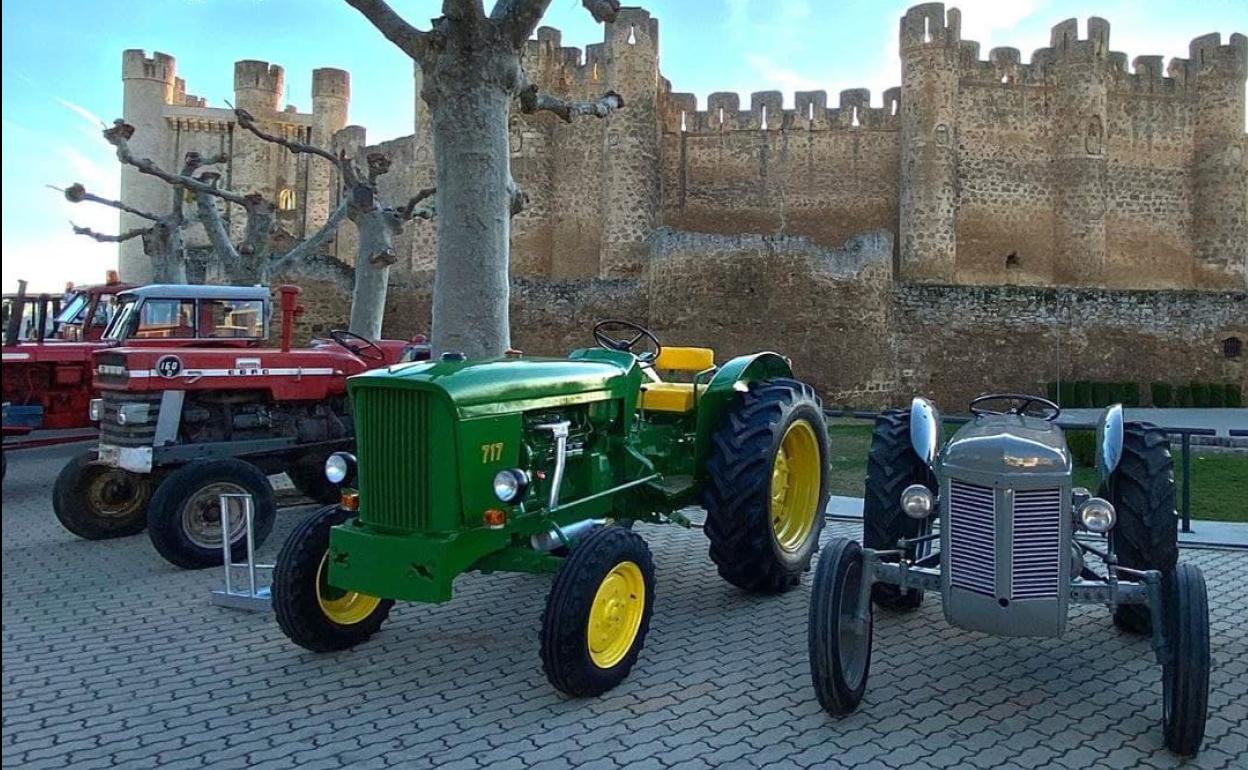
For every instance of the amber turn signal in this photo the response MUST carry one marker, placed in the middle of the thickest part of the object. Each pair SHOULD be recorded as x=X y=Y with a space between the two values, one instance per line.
x=494 y=518
x=350 y=500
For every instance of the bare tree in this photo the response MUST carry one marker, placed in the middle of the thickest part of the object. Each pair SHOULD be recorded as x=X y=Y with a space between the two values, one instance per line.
x=472 y=74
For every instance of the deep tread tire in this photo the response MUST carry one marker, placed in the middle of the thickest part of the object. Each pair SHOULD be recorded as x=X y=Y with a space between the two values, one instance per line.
x=1186 y=677
x=74 y=509
x=307 y=473
x=1141 y=490
x=892 y=465
x=164 y=514
x=565 y=620
x=839 y=563
x=295 y=576
x=737 y=492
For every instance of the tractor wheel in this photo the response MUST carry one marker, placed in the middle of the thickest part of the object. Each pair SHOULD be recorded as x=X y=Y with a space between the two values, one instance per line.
x=307 y=473
x=767 y=486
x=892 y=466
x=97 y=502
x=184 y=517
x=314 y=614
x=840 y=647
x=1185 y=678
x=598 y=612
x=1141 y=490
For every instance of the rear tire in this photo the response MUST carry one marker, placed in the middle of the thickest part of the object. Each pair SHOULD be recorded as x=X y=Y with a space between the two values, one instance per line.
x=1185 y=679
x=840 y=657
x=598 y=612
x=307 y=473
x=98 y=502
x=892 y=465
x=767 y=486
x=1141 y=490
x=184 y=517
x=302 y=599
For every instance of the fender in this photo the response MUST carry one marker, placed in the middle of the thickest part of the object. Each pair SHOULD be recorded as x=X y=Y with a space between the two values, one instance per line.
x=1109 y=431
x=925 y=429
x=718 y=395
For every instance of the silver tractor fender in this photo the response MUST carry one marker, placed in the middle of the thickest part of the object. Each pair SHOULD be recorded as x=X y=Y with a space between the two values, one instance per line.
x=925 y=429
x=1109 y=441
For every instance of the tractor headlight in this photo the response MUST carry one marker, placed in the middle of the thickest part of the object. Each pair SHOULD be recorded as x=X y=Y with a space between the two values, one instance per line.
x=339 y=466
x=917 y=501
x=1097 y=515
x=510 y=484
x=95 y=409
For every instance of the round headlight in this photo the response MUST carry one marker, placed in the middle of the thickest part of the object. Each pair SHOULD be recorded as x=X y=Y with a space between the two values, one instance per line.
x=917 y=501
x=1097 y=515
x=510 y=484
x=338 y=467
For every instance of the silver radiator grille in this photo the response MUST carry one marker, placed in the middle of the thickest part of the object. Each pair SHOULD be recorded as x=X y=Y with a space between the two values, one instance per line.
x=972 y=536
x=1037 y=543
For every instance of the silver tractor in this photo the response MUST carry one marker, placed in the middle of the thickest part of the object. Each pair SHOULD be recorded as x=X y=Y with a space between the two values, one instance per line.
x=1016 y=545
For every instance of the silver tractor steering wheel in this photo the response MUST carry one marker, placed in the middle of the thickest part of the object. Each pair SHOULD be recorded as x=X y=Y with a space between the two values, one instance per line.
x=1022 y=405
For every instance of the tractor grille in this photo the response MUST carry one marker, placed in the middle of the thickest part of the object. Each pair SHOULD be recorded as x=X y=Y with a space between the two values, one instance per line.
x=1037 y=543
x=972 y=537
x=133 y=434
x=392 y=441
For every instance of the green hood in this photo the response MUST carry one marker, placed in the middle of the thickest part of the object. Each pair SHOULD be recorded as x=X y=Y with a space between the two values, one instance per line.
x=500 y=380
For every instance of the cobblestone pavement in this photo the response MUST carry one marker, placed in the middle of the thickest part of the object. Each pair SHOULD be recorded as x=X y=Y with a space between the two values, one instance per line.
x=113 y=658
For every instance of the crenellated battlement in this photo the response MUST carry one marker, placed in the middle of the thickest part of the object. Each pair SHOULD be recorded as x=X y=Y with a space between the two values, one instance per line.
x=137 y=65
x=330 y=82
x=555 y=66
x=259 y=75
x=766 y=112
x=1208 y=58
x=930 y=24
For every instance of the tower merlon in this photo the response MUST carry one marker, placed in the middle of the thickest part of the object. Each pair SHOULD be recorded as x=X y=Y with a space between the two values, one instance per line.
x=331 y=82
x=135 y=65
x=259 y=75
x=1066 y=44
x=633 y=26
x=1209 y=57
x=930 y=24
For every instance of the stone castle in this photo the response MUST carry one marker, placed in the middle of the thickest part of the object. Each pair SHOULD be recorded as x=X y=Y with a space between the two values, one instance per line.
x=1091 y=204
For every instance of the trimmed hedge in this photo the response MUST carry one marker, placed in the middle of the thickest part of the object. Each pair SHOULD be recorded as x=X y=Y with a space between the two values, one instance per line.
x=1234 y=396
x=1082 y=445
x=1084 y=394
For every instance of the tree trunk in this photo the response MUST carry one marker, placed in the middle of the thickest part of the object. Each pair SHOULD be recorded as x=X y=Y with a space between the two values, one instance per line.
x=373 y=258
x=472 y=154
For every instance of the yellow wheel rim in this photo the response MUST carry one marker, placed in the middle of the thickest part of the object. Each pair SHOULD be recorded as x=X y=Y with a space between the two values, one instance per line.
x=615 y=615
x=795 y=479
x=346 y=608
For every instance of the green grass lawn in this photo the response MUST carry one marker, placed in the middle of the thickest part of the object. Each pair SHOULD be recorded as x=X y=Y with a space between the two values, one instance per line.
x=1219 y=481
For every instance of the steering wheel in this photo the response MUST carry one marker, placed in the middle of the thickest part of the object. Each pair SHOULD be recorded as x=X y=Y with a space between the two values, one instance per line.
x=358 y=345
x=1023 y=404
x=608 y=335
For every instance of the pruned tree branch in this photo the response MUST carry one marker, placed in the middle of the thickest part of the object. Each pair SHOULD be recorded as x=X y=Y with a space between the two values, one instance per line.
x=519 y=18
x=378 y=164
x=106 y=238
x=410 y=40
x=519 y=198
x=119 y=136
x=531 y=101
x=247 y=121
x=317 y=240
x=210 y=217
x=603 y=11
x=471 y=11
x=76 y=193
x=410 y=211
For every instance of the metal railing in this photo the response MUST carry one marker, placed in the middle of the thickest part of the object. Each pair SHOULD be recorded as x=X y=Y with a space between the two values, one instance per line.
x=1185 y=449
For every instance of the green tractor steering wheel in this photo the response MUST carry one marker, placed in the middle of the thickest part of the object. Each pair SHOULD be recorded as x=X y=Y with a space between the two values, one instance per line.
x=605 y=334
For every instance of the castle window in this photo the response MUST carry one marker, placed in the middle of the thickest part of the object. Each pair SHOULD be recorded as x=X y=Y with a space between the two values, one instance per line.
x=632 y=35
x=1232 y=347
x=1011 y=260
x=286 y=200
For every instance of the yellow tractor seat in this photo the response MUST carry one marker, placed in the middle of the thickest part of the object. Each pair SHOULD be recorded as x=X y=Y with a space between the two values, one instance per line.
x=677 y=397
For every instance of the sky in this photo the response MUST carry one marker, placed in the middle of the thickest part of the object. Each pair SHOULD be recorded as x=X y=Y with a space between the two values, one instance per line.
x=62 y=68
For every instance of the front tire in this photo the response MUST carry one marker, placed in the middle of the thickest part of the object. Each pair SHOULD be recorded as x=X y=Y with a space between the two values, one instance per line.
x=184 y=518
x=1185 y=678
x=767 y=486
x=312 y=613
x=840 y=650
x=1141 y=490
x=892 y=465
x=98 y=502
x=598 y=612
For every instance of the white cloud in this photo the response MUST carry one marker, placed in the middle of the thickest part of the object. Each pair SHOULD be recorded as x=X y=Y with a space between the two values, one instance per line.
x=90 y=117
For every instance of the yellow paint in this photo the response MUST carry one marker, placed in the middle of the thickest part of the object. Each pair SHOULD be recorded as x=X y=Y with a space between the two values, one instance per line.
x=346 y=608
x=685 y=359
x=795 y=478
x=667 y=396
x=615 y=615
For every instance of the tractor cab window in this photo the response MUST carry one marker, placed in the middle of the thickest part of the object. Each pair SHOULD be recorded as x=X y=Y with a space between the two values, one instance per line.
x=237 y=319
x=74 y=311
x=153 y=319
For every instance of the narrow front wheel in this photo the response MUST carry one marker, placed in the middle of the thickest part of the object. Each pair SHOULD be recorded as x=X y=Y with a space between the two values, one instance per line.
x=1185 y=677
x=840 y=642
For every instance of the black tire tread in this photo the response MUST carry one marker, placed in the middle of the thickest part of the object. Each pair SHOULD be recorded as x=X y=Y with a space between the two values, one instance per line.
x=1187 y=620
x=74 y=513
x=822 y=639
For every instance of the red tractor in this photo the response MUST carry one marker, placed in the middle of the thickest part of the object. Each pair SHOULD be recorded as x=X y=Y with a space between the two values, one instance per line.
x=180 y=426
x=48 y=344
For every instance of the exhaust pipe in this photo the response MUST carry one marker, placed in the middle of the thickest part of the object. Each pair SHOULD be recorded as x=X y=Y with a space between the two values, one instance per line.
x=546 y=542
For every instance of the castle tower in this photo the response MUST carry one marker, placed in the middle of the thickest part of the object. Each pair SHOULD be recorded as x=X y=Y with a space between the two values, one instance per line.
x=630 y=163
x=147 y=86
x=258 y=88
x=929 y=121
x=1080 y=72
x=1220 y=210
x=331 y=96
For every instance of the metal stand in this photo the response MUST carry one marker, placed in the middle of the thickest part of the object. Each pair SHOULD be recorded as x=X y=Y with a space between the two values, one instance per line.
x=252 y=599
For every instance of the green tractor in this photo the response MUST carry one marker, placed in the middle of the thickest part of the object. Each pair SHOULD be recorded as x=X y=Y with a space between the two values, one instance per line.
x=543 y=465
